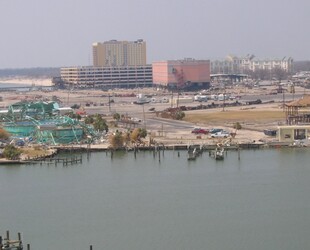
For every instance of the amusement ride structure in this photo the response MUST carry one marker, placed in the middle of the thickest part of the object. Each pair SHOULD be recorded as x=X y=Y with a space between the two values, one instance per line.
x=43 y=122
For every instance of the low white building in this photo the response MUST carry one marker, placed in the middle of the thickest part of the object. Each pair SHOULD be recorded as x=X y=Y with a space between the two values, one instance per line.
x=237 y=65
x=108 y=77
x=294 y=134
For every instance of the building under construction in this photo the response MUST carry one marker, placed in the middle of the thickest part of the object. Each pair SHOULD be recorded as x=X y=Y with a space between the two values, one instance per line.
x=44 y=122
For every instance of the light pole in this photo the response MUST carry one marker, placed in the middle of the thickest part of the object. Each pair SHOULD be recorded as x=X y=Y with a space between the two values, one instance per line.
x=109 y=104
x=283 y=92
x=224 y=97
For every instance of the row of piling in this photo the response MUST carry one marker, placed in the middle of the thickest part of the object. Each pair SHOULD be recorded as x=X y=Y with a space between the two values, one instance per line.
x=9 y=244
x=55 y=161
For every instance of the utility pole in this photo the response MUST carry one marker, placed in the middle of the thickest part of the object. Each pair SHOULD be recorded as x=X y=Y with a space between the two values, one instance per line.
x=224 y=97
x=109 y=104
x=283 y=92
x=68 y=95
x=143 y=116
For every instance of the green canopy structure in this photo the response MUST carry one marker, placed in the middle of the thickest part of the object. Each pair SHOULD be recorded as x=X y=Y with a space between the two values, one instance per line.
x=43 y=122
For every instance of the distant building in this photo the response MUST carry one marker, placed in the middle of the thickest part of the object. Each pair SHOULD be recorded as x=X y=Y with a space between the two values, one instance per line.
x=107 y=77
x=182 y=74
x=240 y=65
x=119 y=53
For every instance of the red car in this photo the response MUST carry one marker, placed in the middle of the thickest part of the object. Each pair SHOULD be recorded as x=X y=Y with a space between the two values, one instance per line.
x=200 y=131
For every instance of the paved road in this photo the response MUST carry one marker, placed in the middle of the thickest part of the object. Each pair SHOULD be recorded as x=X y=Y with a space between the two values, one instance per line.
x=166 y=124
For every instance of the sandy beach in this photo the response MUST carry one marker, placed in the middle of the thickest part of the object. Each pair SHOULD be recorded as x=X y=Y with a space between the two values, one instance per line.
x=27 y=81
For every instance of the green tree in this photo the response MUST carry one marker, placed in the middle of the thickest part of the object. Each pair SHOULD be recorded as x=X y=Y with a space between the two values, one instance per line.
x=179 y=115
x=11 y=152
x=89 y=119
x=137 y=134
x=100 y=123
x=116 y=116
x=142 y=132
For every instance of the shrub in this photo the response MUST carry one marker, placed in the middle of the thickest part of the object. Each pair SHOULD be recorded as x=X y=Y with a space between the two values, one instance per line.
x=137 y=134
x=237 y=126
x=179 y=115
x=116 y=116
x=11 y=152
x=117 y=140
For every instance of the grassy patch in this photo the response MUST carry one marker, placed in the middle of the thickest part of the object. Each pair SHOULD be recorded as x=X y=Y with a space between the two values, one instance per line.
x=249 y=116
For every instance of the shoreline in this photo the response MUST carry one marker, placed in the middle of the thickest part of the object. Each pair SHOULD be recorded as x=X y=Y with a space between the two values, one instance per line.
x=85 y=148
x=27 y=81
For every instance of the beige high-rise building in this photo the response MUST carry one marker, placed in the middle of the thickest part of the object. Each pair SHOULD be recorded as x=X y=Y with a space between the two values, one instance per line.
x=119 y=53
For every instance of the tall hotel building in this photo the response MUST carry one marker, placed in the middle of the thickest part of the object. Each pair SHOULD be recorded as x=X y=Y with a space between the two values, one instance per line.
x=115 y=64
x=119 y=53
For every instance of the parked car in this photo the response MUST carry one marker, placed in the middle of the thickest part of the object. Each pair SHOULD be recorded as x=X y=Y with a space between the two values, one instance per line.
x=134 y=119
x=258 y=101
x=221 y=134
x=20 y=143
x=200 y=131
x=215 y=130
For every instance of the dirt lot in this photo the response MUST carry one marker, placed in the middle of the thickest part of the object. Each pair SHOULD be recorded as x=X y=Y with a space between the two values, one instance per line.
x=253 y=121
x=255 y=118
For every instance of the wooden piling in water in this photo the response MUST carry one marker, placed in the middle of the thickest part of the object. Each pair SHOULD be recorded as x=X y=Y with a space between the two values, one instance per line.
x=20 y=240
x=7 y=235
x=135 y=152
x=9 y=244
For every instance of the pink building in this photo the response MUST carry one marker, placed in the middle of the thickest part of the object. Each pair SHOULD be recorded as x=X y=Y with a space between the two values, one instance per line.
x=182 y=74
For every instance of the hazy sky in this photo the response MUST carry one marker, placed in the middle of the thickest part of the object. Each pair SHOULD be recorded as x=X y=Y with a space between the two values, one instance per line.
x=43 y=33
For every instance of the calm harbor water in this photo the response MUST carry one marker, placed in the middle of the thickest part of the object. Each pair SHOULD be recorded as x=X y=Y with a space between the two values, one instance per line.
x=258 y=202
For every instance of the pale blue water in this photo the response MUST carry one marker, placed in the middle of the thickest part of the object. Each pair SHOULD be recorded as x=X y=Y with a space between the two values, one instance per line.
x=259 y=203
x=22 y=87
x=13 y=85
